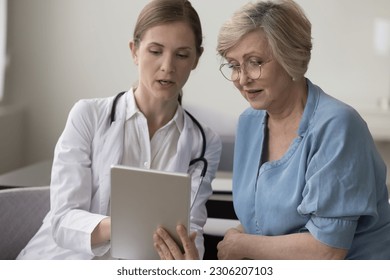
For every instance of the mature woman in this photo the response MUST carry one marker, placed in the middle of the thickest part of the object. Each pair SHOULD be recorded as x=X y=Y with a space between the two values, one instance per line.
x=150 y=129
x=308 y=182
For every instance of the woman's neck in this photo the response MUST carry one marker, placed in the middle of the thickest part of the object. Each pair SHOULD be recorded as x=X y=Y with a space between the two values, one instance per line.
x=157 y=112
x=283 y=126
x=292 y=109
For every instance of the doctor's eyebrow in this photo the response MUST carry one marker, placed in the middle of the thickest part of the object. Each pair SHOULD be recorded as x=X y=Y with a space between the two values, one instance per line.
x=151 y=44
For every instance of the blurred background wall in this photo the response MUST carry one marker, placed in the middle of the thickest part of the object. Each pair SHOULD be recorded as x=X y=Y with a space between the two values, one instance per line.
x=62 y=51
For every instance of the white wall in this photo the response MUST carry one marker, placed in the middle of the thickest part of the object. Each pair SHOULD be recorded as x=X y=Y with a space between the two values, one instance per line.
x=3 y=32
x=61 y=51
x=347 y=59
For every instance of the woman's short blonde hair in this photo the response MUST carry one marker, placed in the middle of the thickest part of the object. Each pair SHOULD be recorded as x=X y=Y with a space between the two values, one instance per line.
x=285 y=25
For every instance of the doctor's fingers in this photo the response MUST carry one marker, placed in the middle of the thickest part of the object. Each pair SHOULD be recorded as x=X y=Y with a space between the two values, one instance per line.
x=161 y=248
x=168 y=245
x=188 y=242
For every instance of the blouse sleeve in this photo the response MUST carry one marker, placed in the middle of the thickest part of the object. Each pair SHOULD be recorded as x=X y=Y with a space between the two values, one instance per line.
x=341 y=179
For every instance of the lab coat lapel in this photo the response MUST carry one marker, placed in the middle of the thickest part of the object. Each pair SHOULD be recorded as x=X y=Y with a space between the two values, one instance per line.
x=111 y=153
x=184 y=147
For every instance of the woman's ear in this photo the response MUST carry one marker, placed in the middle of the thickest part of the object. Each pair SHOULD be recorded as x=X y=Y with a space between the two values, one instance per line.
x=197 y=59
x=134 y=51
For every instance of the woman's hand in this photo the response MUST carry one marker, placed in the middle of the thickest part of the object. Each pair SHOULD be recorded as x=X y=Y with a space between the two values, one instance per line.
x=167 y=248
x=229 y=248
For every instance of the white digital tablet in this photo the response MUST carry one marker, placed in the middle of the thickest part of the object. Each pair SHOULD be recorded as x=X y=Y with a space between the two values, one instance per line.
x=142 y=200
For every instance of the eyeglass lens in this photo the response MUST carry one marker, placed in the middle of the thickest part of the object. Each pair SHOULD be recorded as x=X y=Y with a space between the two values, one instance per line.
x=232 y=73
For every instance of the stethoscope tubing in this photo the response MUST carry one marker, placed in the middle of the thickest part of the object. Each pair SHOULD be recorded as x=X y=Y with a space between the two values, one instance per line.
x=201 y=158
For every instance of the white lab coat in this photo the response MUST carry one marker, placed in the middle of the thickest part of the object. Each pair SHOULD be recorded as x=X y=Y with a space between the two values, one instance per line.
x=80 y=184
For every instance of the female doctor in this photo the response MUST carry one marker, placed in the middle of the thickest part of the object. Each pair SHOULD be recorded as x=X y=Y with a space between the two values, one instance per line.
x=148 y=129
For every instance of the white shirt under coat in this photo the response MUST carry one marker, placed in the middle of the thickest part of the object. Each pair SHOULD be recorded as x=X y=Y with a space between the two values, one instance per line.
x=80 y=184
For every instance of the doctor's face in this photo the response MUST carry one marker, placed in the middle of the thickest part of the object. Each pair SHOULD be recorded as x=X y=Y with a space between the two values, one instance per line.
x=165 y=56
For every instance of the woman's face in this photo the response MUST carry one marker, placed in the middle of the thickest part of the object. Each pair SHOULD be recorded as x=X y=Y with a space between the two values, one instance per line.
x=269 y=92
x=166 y=55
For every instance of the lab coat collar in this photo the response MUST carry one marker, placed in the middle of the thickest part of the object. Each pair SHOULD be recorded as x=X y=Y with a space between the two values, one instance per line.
x=184 y=146
x=131 y=106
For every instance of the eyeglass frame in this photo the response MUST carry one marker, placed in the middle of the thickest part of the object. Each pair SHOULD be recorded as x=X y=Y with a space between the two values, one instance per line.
x=239 y=70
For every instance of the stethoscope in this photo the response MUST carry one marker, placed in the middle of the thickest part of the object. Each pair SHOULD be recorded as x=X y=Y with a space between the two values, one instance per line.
x=201 y=158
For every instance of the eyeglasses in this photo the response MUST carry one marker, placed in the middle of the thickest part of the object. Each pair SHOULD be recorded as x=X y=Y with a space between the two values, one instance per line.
x=252 y=68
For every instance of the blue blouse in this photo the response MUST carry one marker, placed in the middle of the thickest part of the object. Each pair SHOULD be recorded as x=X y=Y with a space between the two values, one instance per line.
x=331 y=181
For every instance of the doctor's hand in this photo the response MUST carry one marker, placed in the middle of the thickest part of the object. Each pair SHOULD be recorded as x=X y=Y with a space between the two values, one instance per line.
x=102 y=232
x=167 y=248
x=229 y=248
